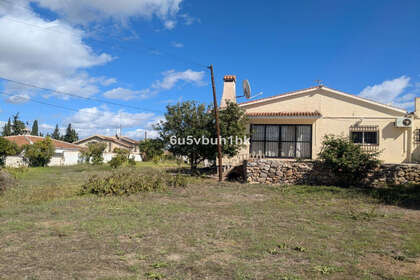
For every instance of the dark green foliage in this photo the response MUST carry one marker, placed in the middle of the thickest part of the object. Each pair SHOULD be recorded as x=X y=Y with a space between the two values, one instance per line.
x=18 y=126
x=190 y=120
x=151 y=148
x=129 y=181
x=7 y=129
x=39 y=153
x=34 y=130
x=7 y=148
x=71 y=135
x=120 y=159
x=131 y=162
x=93 y=154
x=56 y=134
x=347 y=161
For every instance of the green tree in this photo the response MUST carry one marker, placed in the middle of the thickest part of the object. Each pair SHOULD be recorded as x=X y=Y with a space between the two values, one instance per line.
x=18 y=127
x=347 y=161
x=71 y=135
x=188 y=124
x=7 y=148
x=151 y=148
x=40 y=153
x=34 y=130
x=56 y=134
x=94 y=153
x=7 y=129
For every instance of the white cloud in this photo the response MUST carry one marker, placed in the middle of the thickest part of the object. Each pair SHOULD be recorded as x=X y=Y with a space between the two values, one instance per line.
x=47 y=54
x=189 y=20
x=169 y=81
x=141 y=133
x=170 y=24
x=177 y=45
x=390 y=92
x=172 y=77
x=85 y=11
x=90 y=121
x=125 y=94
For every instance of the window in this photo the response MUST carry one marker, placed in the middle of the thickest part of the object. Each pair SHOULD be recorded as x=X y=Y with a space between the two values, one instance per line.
x=365 y=137
x=281 y=141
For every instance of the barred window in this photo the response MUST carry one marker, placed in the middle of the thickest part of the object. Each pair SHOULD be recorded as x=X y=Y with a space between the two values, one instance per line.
x=281 y=141
x=365 y=135
x=417 y=135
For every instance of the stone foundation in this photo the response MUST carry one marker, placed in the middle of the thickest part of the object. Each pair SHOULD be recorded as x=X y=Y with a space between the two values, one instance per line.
x=266 y=171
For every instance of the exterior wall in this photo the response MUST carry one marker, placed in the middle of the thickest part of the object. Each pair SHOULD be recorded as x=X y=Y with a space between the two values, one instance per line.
x=15 y=162
x=71 y=158
x=307 y=172
x=110 y=146
x=339 y=113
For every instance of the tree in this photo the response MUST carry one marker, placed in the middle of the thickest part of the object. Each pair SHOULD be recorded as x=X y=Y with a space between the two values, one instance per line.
x=71 y=135
x=18 y=127
x=7 y=148
x=189 y=130
x=56 y=134
x=93 y=154
x=7 y=129
x=39 y=153
x=347 y=161
x=34 y=130
x=151 y=148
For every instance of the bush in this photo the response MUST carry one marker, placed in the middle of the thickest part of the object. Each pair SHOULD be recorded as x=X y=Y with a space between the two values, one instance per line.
x=346 y=160
x=128 y=181
x=94 y=153
x=7 y=148
x=131 y=162
x=39 y=153
x=121 y=158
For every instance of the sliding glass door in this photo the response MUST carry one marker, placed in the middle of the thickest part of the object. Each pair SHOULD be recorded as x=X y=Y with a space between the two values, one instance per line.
x=281 y=141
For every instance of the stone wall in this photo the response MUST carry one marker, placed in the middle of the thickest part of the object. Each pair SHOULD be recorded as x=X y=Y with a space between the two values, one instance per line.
x=282 y=172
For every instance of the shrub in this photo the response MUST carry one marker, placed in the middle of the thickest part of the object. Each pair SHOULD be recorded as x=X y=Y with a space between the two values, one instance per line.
x=346 y=160
x=7 y=148
x=94 y=153
x=39 y=153
x=131 y=162
x=121 y=158
x=128 y=181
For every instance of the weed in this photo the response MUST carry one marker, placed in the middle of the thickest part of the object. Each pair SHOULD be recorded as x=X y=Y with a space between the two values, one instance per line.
x=159 y=265
x=325 y=269
x=154 y=275
x=300 y=249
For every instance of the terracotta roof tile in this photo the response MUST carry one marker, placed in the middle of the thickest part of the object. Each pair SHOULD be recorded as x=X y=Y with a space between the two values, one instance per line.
x=284 y=114
x=229 y=78
x=21 y=140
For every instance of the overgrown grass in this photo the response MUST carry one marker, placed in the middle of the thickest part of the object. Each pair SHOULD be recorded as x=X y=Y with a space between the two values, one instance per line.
x=205 y=231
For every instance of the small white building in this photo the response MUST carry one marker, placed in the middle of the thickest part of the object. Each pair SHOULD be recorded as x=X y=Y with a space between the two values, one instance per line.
x=66 y=154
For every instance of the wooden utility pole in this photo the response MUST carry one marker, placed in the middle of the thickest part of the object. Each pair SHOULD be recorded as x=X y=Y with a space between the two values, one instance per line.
x=216 y=115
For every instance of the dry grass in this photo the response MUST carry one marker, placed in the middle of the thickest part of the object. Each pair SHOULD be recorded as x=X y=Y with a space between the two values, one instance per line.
x=206 y=231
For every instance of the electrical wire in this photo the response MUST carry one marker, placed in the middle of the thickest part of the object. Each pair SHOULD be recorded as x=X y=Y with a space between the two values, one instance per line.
x=78 y=96
x=58 y=106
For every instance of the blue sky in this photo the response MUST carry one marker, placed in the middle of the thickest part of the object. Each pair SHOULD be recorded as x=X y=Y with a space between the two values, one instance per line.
x=144 y=54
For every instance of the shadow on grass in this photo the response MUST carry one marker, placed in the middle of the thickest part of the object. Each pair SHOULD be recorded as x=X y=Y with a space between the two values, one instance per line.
x=407 y=196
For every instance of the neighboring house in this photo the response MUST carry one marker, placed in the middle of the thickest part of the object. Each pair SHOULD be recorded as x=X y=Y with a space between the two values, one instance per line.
x=293 y=125
x=66 y=154
x=113 y=142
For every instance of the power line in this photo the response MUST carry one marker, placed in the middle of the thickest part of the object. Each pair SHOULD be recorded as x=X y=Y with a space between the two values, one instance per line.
x=78 y=96
x=57 y=106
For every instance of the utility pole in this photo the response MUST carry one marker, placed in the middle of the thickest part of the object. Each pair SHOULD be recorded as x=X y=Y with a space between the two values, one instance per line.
x=216 y=115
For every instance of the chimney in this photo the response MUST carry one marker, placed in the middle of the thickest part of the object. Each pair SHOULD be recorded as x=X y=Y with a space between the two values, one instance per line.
x=229 y=90
x=417 y=109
